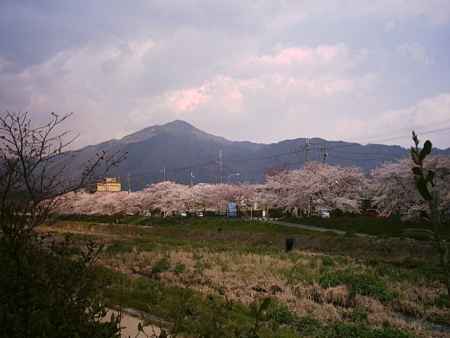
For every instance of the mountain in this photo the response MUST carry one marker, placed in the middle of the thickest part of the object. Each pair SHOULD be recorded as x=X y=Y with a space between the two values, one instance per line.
x=181 y=148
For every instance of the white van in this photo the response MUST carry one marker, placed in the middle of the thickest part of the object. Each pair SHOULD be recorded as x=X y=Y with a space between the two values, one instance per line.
x=324 y=213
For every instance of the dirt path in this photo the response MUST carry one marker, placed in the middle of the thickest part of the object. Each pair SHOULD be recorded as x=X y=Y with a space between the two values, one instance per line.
x=316 y=228
x=129 y=324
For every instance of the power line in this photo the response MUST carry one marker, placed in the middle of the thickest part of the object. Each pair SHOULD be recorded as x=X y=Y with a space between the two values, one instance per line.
x=426 y=132
x=417 y=127
x=306 y=150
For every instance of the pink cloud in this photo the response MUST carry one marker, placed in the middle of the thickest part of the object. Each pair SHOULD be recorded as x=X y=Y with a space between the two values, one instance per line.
x=288 y=56
x=303 y=55
x=188 y=99
x=221 y=90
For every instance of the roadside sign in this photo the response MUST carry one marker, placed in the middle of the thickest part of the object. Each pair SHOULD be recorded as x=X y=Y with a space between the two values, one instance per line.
x=232 y=209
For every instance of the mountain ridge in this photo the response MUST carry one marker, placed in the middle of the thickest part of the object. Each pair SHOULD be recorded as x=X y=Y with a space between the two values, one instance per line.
x=181 y=150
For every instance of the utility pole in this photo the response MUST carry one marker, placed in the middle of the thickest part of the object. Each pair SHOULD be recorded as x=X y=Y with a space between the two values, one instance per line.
x=129 y=183
x=192 y=178
x=164 y=173
x=231 y=175
x=324 y=153
x=306 y=150
x=220 y=162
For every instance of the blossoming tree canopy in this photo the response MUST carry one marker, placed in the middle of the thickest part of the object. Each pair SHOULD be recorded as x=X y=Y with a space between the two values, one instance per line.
x=316 y=186
x=394 y=190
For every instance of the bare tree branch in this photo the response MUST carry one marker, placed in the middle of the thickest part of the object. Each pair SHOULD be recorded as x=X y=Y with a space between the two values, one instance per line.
x=34 y=168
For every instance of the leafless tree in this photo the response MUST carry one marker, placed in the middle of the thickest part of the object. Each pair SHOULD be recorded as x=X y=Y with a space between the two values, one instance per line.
x=35 y=169
x=43 y=283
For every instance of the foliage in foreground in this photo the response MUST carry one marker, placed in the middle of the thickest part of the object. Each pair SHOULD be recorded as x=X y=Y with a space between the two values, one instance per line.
x=49 y=290
x=426 y=184
x=46 y=288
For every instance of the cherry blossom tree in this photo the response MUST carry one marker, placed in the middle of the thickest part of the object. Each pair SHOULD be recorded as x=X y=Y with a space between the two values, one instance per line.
x=168 y=197
x=215 y=197
x=315 y=186
x=393 y=187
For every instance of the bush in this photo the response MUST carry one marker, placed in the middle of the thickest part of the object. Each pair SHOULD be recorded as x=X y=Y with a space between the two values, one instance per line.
x=179 y=268
x=344 y=330
x=299 y=273
x=359 y=315
x=308 y=326
x=442 y=301
x=327 y=261
x=161 y=266
x=280 y=314
x=48 y=290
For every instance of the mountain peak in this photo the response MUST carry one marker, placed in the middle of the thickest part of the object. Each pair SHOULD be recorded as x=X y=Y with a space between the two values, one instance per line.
x=176 y=127
x=179 y=124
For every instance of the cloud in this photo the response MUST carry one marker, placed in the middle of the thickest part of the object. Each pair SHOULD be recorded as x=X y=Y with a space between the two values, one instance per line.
x=415 y=52
x=435 y=11
x=305 y=56
x=260 y=71
x=187 y=99
x=394 y=126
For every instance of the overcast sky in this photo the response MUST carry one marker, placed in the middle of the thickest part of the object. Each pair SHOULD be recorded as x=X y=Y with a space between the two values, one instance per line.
x=362 y=70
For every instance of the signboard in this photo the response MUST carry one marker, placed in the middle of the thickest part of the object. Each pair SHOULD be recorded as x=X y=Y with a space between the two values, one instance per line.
x=232 y=209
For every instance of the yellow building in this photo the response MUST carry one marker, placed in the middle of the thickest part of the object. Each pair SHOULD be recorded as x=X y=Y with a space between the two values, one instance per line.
x=110 y=184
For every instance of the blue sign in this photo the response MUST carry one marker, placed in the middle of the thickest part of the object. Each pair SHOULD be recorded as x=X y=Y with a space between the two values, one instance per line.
x=232 y=209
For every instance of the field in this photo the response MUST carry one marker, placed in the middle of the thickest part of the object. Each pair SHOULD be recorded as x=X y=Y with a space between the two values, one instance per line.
x=212 y=277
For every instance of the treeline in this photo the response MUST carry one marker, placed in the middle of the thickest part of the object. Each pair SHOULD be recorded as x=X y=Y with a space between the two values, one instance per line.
x=389 y=189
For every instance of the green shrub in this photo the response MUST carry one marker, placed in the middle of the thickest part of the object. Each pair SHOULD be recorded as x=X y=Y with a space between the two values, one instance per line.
x=161 y=266
x=369 y=285
x=359 y=315
x=51 y=291
x=389 y=332
x=119 y=247
x=442 y=301
x=308 y=326
x=299 y=273
x=344 y=330
x=279 y=313
x=179 y=268
x=327 y=261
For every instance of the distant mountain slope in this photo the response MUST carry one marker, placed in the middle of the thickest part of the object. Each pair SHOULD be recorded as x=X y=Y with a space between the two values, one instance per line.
x=181 y=148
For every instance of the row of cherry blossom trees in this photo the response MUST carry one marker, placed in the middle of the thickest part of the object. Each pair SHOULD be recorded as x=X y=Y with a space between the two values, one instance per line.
x=299 y=192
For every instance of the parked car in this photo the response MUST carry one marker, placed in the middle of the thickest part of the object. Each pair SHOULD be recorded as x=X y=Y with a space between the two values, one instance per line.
x=324 y=213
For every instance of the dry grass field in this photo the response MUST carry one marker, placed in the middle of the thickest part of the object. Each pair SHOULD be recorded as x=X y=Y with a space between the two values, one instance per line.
x=210 y=277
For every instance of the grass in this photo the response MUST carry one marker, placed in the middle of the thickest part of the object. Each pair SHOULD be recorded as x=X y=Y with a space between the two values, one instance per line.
x=328 y=286
x=351 y=223
x=377 y=226
x=359 y=283
x=187 y=309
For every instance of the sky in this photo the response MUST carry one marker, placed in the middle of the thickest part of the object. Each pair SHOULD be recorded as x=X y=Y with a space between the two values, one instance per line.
x=264 y=71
